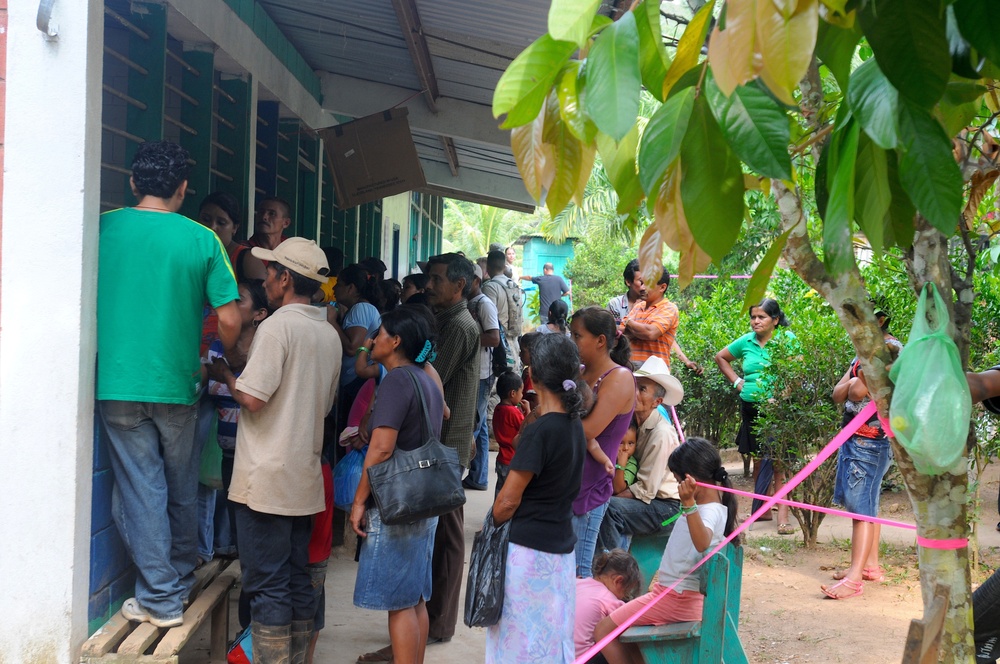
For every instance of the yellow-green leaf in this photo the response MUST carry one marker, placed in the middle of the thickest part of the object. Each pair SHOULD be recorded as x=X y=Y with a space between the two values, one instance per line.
x=762 y=275
x=786 y=45
x=570 y=20
x=568 y=153
x=570 y=105
x=522 y=89
x=651 y=251
x=619 y=164
x=532 y=158
x=668 y=213
x=732 y=51
x=689 y=47
x=653 y=58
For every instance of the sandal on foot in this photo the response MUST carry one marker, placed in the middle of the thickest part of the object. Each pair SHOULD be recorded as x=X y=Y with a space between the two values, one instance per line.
x=856 y=588
x=875 y=574
x=786 y=529
x=380 y=655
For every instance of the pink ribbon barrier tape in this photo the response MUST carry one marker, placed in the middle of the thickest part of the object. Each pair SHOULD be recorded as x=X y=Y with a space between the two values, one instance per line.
x=817 y=461
x=815 y=508
x=677 y=423
x=927 y=543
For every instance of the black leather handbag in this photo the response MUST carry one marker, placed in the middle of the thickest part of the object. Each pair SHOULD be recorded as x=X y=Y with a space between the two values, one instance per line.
x=418 y=484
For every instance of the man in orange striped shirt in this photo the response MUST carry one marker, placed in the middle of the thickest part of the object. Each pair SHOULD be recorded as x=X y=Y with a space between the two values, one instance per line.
x=651 y=326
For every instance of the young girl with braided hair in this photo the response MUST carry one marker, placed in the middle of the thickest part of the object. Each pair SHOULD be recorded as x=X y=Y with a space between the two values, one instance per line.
x=707 y=515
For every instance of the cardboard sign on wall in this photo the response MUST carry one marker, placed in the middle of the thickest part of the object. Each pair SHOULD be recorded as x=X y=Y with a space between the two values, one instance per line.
x=372 y=157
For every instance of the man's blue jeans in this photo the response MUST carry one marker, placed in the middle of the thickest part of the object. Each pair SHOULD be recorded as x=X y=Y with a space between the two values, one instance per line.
x=274 y=554
x=630 y=516
x=479 y=468
x=155 y=460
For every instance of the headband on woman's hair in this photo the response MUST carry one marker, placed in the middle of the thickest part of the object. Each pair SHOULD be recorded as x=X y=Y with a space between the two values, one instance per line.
x=568 y=385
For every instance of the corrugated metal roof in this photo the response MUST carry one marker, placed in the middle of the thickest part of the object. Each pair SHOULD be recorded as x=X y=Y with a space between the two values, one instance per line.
x=470 y=42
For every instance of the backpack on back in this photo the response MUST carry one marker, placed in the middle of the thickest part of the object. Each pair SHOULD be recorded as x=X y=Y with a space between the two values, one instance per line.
x=501 y=357
x=515 y=302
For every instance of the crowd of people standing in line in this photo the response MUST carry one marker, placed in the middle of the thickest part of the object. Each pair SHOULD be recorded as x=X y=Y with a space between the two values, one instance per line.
x=300 y=351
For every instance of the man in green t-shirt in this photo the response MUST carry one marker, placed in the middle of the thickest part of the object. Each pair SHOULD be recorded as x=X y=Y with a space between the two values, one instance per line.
x=157 y=269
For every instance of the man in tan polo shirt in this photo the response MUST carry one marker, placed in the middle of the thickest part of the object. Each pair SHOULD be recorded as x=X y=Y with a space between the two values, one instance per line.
x=286 y=389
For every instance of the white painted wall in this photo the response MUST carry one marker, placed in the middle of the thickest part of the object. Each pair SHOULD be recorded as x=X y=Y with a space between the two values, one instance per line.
x=396 y=211
x=47 y=329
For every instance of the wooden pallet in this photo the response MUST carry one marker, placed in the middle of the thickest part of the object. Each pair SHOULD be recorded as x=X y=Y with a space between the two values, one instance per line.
x=121 y=640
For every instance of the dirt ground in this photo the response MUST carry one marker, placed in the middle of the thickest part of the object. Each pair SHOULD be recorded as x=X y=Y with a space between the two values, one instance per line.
x=784 y=618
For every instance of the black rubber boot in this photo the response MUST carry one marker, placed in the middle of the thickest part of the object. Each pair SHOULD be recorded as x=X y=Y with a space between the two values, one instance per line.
x=271 y=644
x=302 y=632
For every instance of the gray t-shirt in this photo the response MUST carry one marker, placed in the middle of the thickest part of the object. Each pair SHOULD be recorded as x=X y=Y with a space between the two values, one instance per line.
x=396 y=406
x=485 y=314
x=550 y=288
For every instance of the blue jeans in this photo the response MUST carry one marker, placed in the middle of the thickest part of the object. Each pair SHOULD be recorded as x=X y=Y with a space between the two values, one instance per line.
x=986 y=619
x=274 y=553
x=155 y=461
x=586 y=527
x=630 y=516
x=206 y=522
x=861 y=465
x=479 y=468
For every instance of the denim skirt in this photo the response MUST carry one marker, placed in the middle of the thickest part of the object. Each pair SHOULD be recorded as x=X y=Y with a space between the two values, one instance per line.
x=861 y=465
x=394 y=568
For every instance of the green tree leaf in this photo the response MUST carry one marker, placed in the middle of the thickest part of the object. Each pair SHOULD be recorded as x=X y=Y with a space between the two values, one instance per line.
x=711 y=183
x=872 y=194
x=835 y=49
x=822 y=179
x=653 y=58
x=689 y=47
x=570 y=20
x=661 y=140
x=570 y=105
x=909 y=41
x=964 y=60
x=619 y=164
x=961 y=103
x=522 y=89
x=838 y=249
x=979 y=22
x=874 y=102
x=756 y=128
x=613 y=81
x=899 y=218
x=927 y=169
x=761 y=277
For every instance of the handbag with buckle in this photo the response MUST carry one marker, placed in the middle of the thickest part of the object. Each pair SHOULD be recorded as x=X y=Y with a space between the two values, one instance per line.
x=418 y=484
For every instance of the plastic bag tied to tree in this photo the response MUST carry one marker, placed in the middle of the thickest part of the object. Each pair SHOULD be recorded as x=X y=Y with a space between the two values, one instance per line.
x=931 y=403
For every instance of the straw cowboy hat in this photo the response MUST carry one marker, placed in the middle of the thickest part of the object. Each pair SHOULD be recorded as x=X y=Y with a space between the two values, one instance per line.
x=656 y=370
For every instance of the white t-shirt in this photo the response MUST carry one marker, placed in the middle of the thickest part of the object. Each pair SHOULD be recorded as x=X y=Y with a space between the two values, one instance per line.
x=485 y=314
x=680 y=554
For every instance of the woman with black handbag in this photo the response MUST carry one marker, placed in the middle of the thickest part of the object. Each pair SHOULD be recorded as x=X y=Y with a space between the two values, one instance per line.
x=536 y=621
x=394 y=570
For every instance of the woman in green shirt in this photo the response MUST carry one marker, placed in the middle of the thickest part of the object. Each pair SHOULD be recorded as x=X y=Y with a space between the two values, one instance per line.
x=752 y=350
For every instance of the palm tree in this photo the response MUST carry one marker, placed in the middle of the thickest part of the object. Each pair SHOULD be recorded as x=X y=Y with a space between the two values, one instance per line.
x=471 y=228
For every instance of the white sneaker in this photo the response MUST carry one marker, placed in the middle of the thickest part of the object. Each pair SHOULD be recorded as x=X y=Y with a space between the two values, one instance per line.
x=133 y=611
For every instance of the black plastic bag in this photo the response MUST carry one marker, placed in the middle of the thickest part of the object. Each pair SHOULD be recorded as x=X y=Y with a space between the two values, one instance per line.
x=487 y=566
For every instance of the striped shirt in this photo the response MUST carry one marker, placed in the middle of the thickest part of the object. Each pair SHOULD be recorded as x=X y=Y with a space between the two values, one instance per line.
x=663 y=315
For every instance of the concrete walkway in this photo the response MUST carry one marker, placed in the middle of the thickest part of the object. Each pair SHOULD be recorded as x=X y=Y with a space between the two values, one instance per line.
x=351 y=631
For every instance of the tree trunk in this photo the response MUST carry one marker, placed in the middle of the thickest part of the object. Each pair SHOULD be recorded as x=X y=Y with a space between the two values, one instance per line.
x=939 y=503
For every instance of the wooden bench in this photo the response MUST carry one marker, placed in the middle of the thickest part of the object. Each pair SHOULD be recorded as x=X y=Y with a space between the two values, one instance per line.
x=714 y=639
x=121 y=640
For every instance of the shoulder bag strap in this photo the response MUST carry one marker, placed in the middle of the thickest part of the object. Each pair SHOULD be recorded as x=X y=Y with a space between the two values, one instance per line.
x=425 y=420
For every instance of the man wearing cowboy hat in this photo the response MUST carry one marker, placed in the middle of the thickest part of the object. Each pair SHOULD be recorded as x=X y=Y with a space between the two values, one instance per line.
x=641 y=508
x=285 y=391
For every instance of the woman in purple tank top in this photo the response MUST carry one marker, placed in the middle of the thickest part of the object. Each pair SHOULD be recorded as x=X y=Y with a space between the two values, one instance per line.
x=605 y=356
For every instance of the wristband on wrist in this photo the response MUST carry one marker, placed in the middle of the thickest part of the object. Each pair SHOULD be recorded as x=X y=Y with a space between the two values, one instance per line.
x=362 y=349
x=737 y=382
x=689 y=510
x=619 y=467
